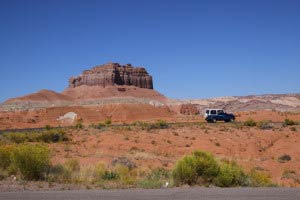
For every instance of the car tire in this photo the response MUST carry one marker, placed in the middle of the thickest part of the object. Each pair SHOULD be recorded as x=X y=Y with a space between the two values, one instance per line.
x=214 y=120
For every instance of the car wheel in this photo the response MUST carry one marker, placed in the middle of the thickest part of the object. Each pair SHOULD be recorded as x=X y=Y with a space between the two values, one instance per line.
x=214 y=120
x=231 y=120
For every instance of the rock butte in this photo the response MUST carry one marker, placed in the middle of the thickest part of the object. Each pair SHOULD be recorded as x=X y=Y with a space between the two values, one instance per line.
x=113 y=74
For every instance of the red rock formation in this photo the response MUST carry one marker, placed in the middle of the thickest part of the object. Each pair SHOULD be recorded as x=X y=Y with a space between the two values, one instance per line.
x=189 y=109
x=113 y=74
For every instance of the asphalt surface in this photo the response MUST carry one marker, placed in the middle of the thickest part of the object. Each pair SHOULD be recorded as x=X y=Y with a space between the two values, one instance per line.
x=161 y=194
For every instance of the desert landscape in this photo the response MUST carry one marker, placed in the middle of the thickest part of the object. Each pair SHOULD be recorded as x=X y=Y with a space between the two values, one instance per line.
x=149 y=100
x=111 y=116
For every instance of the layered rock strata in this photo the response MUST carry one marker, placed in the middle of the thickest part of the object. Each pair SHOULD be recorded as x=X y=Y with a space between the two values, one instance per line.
x=113 y=74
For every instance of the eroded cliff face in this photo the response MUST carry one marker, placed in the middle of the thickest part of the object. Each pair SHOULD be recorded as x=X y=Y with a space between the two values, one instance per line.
x=113 y=74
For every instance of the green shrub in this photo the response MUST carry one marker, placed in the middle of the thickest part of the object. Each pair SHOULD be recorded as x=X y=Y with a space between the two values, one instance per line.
x=185 y=171
x=284 y=158
x=250 y=122
x=16 y=137
x=48 y=127
x=190 y=168
x=5 y=154
x=202 y=168
x=206 y=165
x=100 y=171
x=48 y=136
x=110 y=175
x=100 y=125
x=231 y=175
x=125 y=174
x=161 y=124
x=108 y=122
x=68 y=172
x=289 y=122
x=260 y=179
x=32 y=161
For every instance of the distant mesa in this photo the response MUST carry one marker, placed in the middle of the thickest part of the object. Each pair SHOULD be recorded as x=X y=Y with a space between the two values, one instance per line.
x=111 y=74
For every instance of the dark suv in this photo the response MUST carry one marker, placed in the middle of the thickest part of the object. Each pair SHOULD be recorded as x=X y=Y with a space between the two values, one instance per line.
x=214 y=115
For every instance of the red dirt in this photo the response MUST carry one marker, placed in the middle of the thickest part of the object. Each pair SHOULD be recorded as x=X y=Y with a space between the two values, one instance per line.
x=41 y=96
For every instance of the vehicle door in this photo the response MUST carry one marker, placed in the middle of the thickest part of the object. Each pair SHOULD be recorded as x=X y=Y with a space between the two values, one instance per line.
x=220 y=115
x=213 y=114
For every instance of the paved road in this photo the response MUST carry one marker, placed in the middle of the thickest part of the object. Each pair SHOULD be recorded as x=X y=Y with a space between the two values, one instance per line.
x=161 y=194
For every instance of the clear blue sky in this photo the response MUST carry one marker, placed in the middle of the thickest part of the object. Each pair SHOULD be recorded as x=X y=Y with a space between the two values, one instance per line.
x=193 y=49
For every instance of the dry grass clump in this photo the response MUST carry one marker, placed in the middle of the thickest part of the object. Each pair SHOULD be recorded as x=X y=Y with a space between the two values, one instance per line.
x=250 y=122
x=30 y=162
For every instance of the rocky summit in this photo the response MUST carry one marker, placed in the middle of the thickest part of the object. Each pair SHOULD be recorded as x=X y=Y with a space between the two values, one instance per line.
x=113 y=74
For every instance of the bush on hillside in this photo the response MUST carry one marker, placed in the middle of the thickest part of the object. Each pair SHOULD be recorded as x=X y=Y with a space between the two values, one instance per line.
x=47 y=136
x=33 y=161
x=190 y=168
x=108 y=122
x=260 y=179
x=250 y=122
x=5 y=154
x=289 y=122
x=231 y=175
x=203 y=169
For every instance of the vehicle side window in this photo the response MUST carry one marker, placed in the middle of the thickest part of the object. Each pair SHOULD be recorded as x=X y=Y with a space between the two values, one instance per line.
x=207 y=112
x=220 y=112
x=213 y=112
